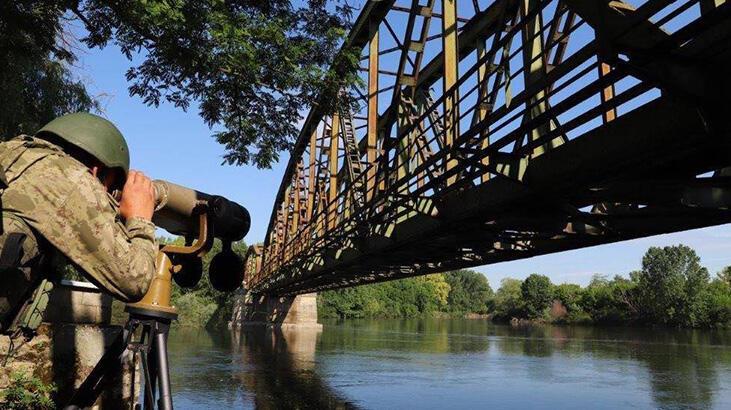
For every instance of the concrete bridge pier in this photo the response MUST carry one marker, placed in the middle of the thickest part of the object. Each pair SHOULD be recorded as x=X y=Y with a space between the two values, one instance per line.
x=286 y=312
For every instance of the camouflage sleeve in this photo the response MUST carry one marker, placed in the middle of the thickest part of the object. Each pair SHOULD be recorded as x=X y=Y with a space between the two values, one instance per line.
x=120 y=257
x=144 y=250
x=70 y=208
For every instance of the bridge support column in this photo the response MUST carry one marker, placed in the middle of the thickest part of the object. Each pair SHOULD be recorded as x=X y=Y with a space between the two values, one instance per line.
x=276 y=311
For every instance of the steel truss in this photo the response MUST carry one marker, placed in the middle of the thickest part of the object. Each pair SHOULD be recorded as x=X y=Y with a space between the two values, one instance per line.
x=499 y=130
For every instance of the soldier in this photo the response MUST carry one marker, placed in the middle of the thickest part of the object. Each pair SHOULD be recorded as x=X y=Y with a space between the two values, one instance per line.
x=55 y=196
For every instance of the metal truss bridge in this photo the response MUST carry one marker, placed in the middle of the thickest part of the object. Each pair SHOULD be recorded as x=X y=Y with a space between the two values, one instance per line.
x=497 y=130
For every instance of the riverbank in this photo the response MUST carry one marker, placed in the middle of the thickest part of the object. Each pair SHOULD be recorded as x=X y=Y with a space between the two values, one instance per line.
x=670 y=289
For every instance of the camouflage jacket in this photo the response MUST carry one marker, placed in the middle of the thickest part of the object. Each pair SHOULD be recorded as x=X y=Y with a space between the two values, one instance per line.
x=59 y=199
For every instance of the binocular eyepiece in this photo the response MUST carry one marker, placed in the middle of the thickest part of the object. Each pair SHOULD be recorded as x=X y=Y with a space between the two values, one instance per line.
x=177 y=211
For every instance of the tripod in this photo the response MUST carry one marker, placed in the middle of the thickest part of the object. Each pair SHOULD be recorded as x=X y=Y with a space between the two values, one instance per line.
x=151 y=347
x=152 y=315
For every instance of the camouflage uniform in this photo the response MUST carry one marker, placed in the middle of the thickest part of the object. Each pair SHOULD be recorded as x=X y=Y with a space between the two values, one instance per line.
x=63 y=203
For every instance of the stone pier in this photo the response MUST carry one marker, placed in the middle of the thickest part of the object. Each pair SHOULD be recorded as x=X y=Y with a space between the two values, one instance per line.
x=276 y=311
x=73 y=337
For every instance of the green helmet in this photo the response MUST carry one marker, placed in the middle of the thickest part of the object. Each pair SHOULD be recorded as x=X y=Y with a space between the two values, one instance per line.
x=95 y=135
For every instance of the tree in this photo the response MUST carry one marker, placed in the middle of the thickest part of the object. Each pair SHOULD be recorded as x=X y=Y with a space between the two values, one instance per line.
x=409 y=297
x=470 y=291
x=569 y=295
x=718 y=296
x=36 y=84
x=725 y=275
x=250 y=66
x=672 y=286
x=508 y=299
x=439 y=287
x=610 y=301
x=537 y=292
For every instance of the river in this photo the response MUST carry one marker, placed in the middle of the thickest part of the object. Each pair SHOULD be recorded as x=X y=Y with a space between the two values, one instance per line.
x=451 y=363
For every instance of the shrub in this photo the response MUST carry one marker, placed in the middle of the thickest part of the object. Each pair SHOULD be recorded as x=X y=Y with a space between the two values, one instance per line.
x=28 y=393
x=718 y=296
x=194 y=310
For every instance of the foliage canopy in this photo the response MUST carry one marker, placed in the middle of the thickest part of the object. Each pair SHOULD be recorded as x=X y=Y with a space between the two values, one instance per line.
x=249 y=66
x=671 y=286
x=537 y=292
x=36 y=84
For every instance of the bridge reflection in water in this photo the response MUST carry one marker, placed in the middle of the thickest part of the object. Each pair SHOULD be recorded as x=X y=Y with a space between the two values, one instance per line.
x=285 y=375
x=452 y=364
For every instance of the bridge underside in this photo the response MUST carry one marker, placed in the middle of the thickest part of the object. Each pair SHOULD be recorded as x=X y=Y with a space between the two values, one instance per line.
x=625 y=134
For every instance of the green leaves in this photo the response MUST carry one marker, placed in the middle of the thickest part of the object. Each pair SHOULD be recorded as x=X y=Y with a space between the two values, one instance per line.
x=36 y=84
x=458 y=292
x=508 y=300
x=28 y=392
x=469 y=292
x=252 y=67
x=672 y=289
x=537 y=292
x=672 y=285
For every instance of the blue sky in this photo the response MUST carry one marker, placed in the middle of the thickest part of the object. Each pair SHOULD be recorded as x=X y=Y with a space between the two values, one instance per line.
x=167 y=143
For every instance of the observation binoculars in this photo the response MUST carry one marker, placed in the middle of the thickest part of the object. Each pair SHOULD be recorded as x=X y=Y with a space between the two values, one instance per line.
x=199 y=218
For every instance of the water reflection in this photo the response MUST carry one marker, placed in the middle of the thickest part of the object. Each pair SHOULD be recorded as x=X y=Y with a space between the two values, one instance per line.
x=283 y=362
x=407 y=335
x=681 y=364
x=452 y=364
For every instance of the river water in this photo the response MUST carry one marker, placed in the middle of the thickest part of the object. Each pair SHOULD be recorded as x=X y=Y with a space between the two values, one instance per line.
x=451 y=363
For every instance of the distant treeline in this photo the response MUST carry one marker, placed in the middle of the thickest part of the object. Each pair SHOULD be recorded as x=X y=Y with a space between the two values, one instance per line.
x=671 y=289
x=457 y=292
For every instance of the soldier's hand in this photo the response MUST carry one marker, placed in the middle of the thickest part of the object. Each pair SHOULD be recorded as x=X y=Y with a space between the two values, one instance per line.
x=138 y=197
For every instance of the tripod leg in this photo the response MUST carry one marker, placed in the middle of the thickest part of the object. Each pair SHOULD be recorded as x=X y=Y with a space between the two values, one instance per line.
x=151 y=369
x=161 y=353
x=149 y=398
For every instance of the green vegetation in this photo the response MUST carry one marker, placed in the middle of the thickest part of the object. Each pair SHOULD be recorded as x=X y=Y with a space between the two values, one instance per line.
x=468 y=292
x=456 y=292
x=36 y=83
x=671 y=289
x=537 y=293
x=248 y=67
x=508 y=299
x=27 y=393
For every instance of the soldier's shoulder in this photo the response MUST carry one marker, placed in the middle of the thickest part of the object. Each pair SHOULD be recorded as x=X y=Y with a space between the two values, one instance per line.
x=13 y=143
x=61 y=172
